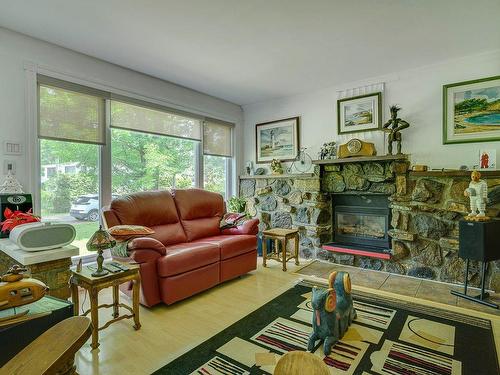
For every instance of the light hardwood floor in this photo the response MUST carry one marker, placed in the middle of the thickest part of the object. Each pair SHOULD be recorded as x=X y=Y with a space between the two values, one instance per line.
x=169 y=331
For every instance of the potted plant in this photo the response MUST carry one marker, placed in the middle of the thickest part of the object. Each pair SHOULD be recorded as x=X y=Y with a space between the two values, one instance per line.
x=236 y=204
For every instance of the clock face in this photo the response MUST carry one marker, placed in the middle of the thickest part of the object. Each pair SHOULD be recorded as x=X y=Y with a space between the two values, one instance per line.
x=354 y=146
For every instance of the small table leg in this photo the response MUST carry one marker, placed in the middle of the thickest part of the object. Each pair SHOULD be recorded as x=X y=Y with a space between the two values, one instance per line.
x=135 y=300
x=283 y=253
x=116 y=301
x=296 y=243
x=94 y=315
x=75 y=298
x=264 y=251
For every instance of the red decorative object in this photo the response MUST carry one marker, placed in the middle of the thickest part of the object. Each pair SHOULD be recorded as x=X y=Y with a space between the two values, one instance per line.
x=371 y=254
x=15 y=218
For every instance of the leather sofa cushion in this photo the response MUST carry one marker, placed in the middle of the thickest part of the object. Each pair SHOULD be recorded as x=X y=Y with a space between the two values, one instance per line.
x=232 y=245
x=169 y=234
x=186 y=257
x=149 y=208
x=200 y=212
x=154 y=209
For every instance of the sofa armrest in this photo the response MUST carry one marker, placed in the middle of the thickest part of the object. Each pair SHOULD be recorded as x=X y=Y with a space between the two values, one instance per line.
x=248 y=227
x=147 y=243
x=144 y=256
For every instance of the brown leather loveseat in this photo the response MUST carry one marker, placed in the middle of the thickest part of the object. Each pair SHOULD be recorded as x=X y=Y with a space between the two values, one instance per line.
x=188 y=252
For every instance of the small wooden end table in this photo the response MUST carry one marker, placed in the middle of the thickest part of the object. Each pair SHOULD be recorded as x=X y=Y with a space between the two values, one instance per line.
x=93 y=285
x=282 y=236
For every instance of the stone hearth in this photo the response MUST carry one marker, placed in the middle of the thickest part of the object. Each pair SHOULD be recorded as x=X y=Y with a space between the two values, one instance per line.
x=425 y=207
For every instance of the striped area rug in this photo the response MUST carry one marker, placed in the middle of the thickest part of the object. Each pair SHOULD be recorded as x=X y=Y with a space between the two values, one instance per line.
x=388 y=337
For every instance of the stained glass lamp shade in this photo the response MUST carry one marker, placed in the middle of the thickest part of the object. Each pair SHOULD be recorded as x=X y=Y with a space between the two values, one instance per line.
x=100 y=241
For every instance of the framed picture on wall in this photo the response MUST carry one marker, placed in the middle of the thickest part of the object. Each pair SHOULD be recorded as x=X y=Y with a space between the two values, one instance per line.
x=359 y=113
x=277 y=140
x=471 y=111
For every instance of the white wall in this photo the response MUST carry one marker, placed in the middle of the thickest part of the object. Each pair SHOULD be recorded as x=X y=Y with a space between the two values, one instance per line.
x=417 y=91
x=16 y=50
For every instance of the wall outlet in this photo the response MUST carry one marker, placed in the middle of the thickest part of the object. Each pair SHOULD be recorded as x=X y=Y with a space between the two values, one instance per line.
x=7 y=164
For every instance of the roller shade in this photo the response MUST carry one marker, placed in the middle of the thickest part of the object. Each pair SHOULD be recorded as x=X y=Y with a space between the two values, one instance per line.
x=217 y=139
x=148 y=119
x=69 y=112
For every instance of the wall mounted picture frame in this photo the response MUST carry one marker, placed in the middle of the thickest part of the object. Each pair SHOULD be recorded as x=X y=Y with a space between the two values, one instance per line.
x=487 y=159
x=277 y=140
x=471 y=111
x=359 y=113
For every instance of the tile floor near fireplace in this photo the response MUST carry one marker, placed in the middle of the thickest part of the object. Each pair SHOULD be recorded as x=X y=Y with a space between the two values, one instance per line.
x=404 y=285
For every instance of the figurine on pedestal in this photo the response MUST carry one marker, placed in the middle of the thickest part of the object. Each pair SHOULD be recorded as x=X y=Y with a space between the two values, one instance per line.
x=276 y=166
x=478 y=195
x=394 y=127
x=328 y=151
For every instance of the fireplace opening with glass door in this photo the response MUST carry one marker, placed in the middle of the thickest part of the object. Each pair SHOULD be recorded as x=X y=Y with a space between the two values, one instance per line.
x=360 y=224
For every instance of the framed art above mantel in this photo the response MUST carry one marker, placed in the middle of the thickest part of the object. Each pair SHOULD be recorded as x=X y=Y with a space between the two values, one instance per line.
x=277 y=140
x=471 y=111
x=359 y=113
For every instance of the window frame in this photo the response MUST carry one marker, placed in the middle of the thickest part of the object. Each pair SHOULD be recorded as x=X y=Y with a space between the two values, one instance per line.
x=32 y=83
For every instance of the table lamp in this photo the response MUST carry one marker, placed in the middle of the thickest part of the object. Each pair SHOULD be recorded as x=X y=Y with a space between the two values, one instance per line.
x=100 y=241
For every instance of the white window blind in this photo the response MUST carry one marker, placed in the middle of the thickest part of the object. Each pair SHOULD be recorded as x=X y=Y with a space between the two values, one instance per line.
x=151 y=120
x=217 y=139
x=70 y=112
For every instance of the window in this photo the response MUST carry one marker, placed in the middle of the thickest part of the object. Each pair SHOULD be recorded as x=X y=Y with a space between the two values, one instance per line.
x=142 y=162
x=215 y=171
x=217 y=150
x=70 y=130
x=70 y=169
x=150 y=147
x=51 y=171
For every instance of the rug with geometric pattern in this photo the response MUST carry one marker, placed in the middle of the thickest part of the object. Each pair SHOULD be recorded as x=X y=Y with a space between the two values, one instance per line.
x=388 y=337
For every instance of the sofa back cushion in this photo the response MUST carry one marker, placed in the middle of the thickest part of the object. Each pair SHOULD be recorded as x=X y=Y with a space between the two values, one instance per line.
x=153 y=209
x=200 y=212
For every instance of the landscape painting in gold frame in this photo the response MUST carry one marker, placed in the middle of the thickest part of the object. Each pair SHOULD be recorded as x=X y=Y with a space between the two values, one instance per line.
x=471 y=111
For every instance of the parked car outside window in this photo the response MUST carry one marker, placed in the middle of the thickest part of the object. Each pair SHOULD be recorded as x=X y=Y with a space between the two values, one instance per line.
x=86 y=207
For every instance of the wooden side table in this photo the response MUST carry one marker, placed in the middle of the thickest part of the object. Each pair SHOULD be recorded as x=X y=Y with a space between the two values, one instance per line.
x=280 y=236
x=93 y=285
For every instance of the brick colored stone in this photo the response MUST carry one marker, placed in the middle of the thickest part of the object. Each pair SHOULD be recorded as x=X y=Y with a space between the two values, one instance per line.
x=449 y=243
x=401 y=185
x=307 y=184
x=401 y=235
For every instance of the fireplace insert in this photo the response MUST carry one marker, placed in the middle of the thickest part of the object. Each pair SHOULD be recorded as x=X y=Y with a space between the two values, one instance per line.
x=361 y=221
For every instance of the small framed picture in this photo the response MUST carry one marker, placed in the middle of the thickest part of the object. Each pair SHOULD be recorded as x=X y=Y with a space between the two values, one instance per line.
x=359 y=113
x=277 y=140
x=471 y=111
x=487 y=159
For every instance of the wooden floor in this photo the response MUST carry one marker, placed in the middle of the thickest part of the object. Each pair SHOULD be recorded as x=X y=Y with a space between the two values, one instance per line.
x=169 y=331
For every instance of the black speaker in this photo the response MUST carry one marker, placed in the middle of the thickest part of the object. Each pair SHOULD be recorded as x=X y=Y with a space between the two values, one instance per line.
x=479 y=240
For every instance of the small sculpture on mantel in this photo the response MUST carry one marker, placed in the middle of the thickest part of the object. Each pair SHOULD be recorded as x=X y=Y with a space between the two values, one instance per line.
x=394 y=127
x=328 y=151
x=276 y=166
x=478 y=195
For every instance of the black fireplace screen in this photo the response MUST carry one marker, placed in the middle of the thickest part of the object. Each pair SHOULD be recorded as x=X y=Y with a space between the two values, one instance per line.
x=361 y=220
x=361 y=225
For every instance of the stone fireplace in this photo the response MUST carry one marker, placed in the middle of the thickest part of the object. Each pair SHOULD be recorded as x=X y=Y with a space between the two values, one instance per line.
x=424 y=208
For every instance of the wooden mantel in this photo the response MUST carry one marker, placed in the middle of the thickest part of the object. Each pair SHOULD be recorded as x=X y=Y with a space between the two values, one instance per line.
x=301 y=176
x=360 y=159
